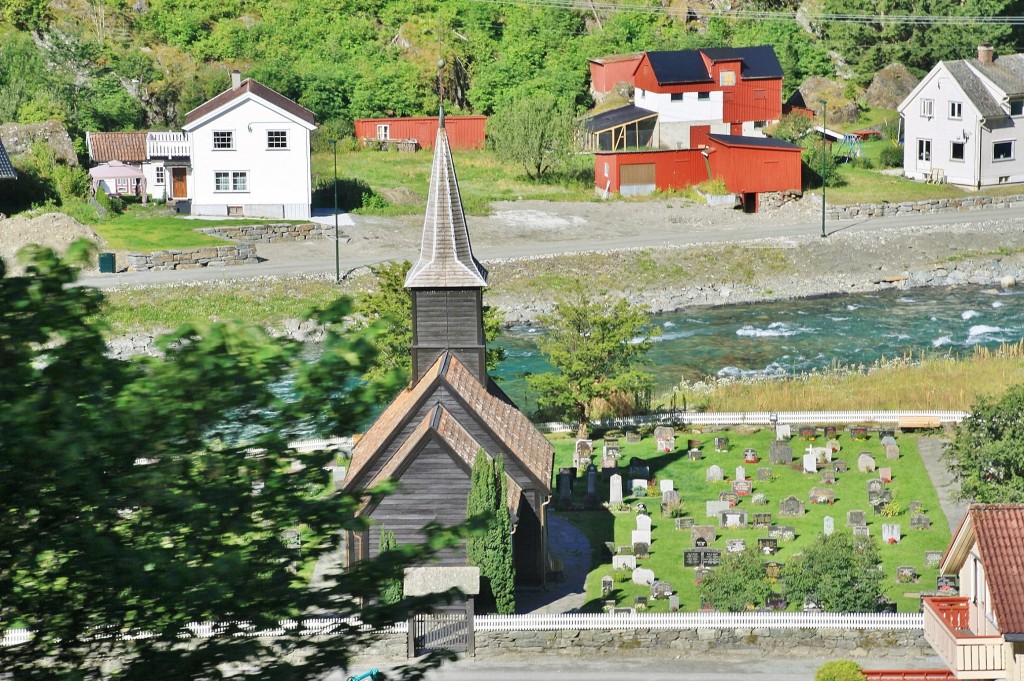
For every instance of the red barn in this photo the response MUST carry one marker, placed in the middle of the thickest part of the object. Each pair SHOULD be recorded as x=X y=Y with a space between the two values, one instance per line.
x=632 y=173
x=607 y=72
x=464 y=132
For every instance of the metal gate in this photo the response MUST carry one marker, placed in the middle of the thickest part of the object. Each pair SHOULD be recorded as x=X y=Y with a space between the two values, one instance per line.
x=448 y=628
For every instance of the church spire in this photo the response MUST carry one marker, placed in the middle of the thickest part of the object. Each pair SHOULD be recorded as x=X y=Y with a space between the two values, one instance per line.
x=446 y=257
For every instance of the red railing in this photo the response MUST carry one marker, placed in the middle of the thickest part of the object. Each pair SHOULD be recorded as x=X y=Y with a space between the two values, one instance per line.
x=953 y=610
x=908 y=675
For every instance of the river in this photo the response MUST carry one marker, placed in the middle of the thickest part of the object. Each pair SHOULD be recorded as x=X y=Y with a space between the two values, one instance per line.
x=793 y=336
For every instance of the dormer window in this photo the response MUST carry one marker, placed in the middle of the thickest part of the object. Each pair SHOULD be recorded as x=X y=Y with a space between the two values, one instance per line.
x=727 y=78
x=1017 y=107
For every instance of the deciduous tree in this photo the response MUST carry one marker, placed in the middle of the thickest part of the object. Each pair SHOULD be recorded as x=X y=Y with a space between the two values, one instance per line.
x=536 y=131
x=985 y=455
x=838 y=571
x=739 y=584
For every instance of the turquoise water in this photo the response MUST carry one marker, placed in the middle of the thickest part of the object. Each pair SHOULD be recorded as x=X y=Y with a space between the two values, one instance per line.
x=793 y=336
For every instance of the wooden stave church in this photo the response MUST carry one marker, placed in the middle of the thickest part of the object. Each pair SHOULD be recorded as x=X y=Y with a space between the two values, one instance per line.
x=427 y=438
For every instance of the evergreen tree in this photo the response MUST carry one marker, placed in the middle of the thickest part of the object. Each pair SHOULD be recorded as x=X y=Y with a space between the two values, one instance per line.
x=503 y=576
x=391 y=590
x=490 y=549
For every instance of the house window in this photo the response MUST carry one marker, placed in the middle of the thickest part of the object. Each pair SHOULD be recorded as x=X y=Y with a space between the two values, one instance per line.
x=727 y=78
x=703 y=96
x=223 y=139
x=277 y=139
x=121 y=185
x=956 y=110
x=383 y=132
x=606 y=170
x=760 y=124
x=924 y=150
x=159 y=174
x=956 y=151
x=677 y=96
x=927 y=108
x=235 y=211
x=1017 y=107
x=231 y=181
x=1002 y=151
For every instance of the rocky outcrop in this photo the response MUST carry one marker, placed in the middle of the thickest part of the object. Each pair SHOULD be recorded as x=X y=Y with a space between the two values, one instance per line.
x=890 y=87
x=18 y=139
x=841 y=109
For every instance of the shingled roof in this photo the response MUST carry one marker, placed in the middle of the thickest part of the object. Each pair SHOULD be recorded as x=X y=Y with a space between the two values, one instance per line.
x=127 y=147
x=446 y=256
x=975 y=90
x=7 y=171
x=250 y=86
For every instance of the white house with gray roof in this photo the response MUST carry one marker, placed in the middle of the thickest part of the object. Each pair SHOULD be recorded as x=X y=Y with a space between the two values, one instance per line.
x=964 y=122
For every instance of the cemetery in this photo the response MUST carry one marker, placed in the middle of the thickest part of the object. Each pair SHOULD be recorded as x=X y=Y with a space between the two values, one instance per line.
x=674 y=502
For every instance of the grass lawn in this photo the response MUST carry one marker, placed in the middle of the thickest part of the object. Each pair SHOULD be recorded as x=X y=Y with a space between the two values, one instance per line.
x=910 y=483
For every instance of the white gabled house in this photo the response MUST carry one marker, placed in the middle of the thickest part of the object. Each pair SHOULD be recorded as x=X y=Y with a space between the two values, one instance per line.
x=250 y=154
x=964 y=122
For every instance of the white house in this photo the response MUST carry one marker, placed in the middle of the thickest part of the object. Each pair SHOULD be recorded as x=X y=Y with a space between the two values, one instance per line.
x=250 y=154
x=964 y=122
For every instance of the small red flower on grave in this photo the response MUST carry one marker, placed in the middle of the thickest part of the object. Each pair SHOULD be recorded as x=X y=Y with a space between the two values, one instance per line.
x=892 y=540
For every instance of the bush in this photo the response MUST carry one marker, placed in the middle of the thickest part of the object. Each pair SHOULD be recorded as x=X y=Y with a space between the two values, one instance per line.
x=353 y=194
x=839 y=670
x=891 y=156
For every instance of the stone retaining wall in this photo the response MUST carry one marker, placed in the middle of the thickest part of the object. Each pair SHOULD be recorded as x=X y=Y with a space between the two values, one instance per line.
x=881 y=210
x=756 y=642
x=194 y=258
x=272 y=232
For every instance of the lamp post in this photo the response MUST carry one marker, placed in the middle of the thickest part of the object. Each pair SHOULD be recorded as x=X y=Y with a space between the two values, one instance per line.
x=824 y=155
x=337 y=251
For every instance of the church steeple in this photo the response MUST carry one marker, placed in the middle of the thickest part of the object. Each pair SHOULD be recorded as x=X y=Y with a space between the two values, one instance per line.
x=446 y=282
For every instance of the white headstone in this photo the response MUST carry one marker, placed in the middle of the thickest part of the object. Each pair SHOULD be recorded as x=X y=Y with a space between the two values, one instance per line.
x=810 y=463
x=741 y=473
x=783 y=432
x=643 y=576
x=667 y=486
x=891 y=533
x=865 y=463
x=339 y=473
x=713 y=508
x=621 y=562
x=639 y=536
x=643 y=522
x=830 y=525
x=615 y=490
x=638 y=483
x=714 y=474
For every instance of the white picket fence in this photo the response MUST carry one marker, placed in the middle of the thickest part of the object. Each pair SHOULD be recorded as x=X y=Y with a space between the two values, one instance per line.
x=762 y=418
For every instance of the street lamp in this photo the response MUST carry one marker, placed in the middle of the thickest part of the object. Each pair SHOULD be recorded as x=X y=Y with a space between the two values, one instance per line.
x=337 y=251
x=824 y=155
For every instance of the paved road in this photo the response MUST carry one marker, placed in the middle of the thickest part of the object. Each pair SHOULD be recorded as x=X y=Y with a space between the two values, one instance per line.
x=945 y=485
x=374 y=240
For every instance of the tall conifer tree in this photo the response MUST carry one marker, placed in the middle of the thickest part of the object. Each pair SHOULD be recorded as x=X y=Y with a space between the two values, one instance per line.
x=491 y=549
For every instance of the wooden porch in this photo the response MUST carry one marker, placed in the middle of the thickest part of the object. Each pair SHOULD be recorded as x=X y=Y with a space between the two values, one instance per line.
x=947 y=630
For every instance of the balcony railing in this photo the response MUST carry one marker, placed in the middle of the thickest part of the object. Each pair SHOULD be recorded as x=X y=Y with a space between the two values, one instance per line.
x=168 y=145
x=946 y=628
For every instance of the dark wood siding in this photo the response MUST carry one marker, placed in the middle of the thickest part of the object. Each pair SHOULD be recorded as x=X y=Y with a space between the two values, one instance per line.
x=448 y=319
x=527 y=547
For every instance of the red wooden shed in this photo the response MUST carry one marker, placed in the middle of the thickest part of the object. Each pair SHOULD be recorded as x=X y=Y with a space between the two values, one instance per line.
x=607 y=72
x=632 y=173
x=464 y=132
x=752 y=165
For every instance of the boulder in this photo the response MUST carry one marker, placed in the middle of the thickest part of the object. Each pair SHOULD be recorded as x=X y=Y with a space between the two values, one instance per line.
x=890 y=87
x=841 y=109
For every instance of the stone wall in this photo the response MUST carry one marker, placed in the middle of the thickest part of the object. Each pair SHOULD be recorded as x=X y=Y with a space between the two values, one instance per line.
x=194 y=258
x=882 y=210
x=753 y=642
x=272 y=232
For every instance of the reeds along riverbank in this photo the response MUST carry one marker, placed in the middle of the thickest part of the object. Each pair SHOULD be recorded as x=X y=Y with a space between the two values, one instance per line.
x=927 y=381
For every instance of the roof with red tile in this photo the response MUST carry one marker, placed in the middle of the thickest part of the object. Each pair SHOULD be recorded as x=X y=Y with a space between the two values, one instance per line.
x=127 y=147
x=250 y=86
x=999 y=531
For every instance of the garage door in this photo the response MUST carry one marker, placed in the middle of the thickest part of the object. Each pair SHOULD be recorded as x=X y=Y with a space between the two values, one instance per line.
x=636 y=179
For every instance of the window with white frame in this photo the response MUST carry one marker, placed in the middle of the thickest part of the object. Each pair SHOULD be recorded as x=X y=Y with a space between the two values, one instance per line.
x=383 y=132
x=223 y=139
x=277 y=139
x=927 y=108
x=956 y=151
x=231 y=181
x=159 y=174
x=956 y=110
x=1002 y=151
x=1017 y=107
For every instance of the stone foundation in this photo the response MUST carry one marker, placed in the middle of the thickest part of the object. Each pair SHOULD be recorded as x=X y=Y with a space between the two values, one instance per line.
x=193 y=258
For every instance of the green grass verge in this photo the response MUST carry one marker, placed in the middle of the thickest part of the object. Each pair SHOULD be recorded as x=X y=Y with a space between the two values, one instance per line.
x=910 y=483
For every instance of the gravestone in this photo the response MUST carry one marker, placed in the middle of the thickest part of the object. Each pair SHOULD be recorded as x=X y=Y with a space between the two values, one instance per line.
x=856 y=518
x=773 y=571
x=638 y=487
x=684 y=523
x=640 y=537
x=782 y=532
x=611 y=447
x=735 y=545
x=643 y=523
x=768 y=546
x=891 y=533
x=783 y=432
x=887 y=439
x=721 y=444
x=810 y=463
x=609 y=463
x=705 y=533
x=885 y=474
x=641 y=549
x=733 y=519
x=623 y=562
x=693 y=455
x=822 y=495
x=729 y=497
x=592 y=482
x=615 y=491
x=714 y=474
x=920 y=521
x=833 y=445
x=713 y=508
x=742 y=488
x=693 y=558
x=762 y=521
x=759 y=499
x=764 y=474
x=741 y=473
x=638 y=468
x=861 y=531
x=808 y=432
x=949 y=585
x=865 y=463
x=828 y=477
x=822 y=454
x=643 y=576
x=932 y=559
x=905 y=574
x=673 y=603
x=875 y=487
x=839 y=466
x=564 y=487
x=338 y=474
x=780 y=454
x=712 y=557
x=892 y=452
x=661 y=590
x=607 y=584
x=666 y=486
x=750 y=456
x=791 y=506
x=581 y=455
x=632 y=438
x=830 y=431
x=915 y=507
x=829 y=526
x=858 y=432
x=665 y=439
x=669 y=501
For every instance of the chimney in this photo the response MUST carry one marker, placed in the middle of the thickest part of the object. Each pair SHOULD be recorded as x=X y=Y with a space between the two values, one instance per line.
x=985 y=53
x=236 y=76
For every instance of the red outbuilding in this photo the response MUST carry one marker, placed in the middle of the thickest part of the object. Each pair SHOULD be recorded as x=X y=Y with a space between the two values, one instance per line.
x=607 y=72
x=464 y=132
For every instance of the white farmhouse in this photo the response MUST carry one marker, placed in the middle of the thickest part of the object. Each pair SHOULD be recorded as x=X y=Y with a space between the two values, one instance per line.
x=964 y=122
x=250 y=154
